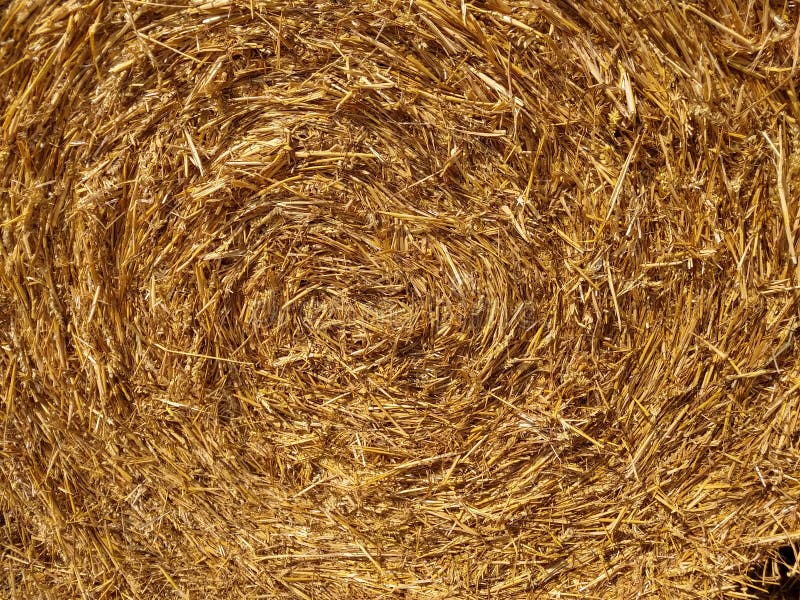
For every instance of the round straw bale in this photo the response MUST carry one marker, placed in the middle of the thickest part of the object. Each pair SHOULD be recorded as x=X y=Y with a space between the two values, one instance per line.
x=423 y=299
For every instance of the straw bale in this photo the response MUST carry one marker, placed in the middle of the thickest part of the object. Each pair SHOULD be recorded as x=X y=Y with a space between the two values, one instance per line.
x=420 y=299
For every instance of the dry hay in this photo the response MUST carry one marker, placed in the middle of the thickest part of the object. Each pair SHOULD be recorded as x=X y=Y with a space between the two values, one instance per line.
x=422 y=299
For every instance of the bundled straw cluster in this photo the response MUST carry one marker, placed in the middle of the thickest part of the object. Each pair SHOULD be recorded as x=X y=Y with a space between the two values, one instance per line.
x=418 y=299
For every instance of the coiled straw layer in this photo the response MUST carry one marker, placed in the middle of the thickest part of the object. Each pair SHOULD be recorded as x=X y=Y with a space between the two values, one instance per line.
x=421 y=299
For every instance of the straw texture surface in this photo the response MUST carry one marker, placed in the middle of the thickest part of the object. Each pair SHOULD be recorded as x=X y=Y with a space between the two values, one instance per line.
x=425 y=299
